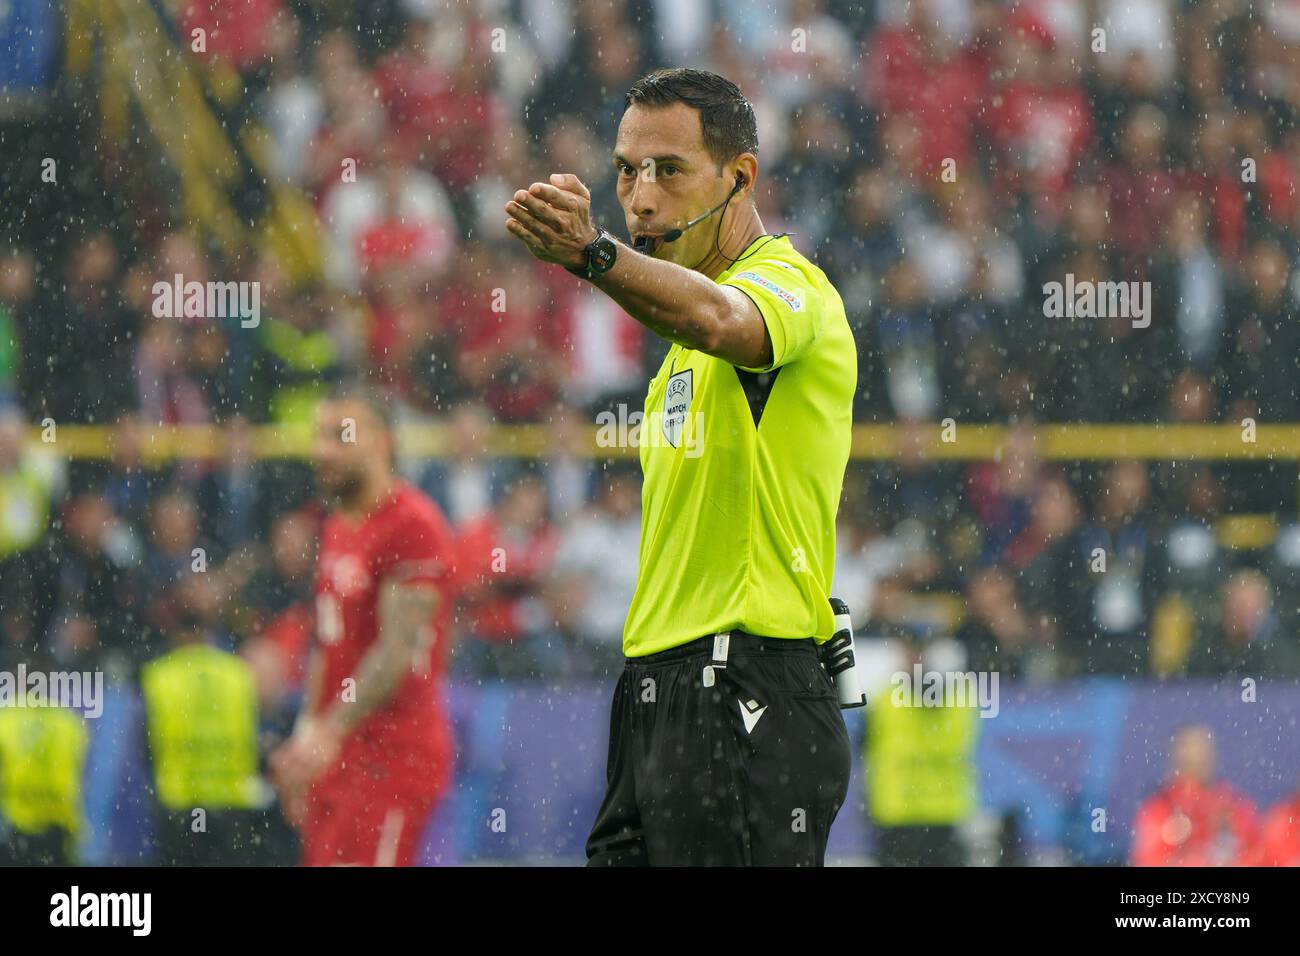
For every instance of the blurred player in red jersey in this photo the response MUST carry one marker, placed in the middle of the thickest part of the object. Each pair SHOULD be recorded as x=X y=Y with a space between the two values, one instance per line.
x=1195 y=819
x=1279 y=837
x=371 y=753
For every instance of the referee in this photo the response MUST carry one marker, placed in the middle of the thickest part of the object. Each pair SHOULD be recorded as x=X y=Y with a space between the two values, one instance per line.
x=727 y=746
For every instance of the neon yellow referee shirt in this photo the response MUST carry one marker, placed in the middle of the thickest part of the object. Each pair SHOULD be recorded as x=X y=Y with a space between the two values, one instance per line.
x=743 y=469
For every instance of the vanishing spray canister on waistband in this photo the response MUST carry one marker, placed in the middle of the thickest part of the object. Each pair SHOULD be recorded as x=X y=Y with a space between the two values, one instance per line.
x=839 y=659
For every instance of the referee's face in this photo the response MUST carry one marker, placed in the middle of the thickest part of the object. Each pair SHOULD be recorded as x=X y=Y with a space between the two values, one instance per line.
x=666 y=178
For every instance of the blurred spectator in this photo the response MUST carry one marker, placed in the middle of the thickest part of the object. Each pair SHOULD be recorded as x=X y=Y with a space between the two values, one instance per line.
x=467 y=480
x=1112 y=592
x=917 y=72
x=1051 y=562
x=1248 y=640
x=280 y=633
x=384 y=215
x=228 y=494
x=1140 y=185
x=87 y=351
x=299 y=360
x=353 y=127
x=962 y=254
x=569 y=473
x=29 y=481
x=808 y=59
x=1001 y=493
x=998 y=632
x=1041 y=120
x=512 y=339
x=907 y=339
x=90 y=591
x=594 y=573
x=864 y=555
x=239 y=35
x=508 y=553
x=132 y=480
x=1190 y=276
x=285 y=580
x=1265 y=337
x=863 y=244
x=17 y=287
x=174 y=549
x=915 y=485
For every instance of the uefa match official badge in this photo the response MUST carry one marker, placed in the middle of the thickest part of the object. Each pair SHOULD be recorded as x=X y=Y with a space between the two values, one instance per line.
x=677 y=402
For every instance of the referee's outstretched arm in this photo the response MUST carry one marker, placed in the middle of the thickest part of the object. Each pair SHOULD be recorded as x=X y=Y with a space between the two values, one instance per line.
x=682 y=305
x=671 y=291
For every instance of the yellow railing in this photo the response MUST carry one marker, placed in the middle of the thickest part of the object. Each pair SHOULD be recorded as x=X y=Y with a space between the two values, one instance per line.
x=128 y=50
x=971 y=442
x=870 y=442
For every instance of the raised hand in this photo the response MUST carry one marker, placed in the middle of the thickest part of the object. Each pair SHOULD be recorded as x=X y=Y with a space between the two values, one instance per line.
x=554 y=220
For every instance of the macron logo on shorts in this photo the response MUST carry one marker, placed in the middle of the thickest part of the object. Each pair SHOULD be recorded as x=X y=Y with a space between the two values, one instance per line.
x=750 y=712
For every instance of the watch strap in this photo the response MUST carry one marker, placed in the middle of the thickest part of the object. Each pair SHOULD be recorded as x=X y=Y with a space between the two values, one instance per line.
x=585 y=271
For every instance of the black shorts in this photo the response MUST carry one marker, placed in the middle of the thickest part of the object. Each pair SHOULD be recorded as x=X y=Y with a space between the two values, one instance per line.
x=230 y=837
x=748 y=772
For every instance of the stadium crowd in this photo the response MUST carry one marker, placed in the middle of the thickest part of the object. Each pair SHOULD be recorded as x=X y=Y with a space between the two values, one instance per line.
x=1171 y=157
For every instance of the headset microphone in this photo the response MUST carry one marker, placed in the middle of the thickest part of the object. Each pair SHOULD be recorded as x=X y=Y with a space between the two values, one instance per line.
x=648 y=244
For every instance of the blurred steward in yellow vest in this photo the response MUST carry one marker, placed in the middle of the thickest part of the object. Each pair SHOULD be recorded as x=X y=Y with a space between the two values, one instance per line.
x=201 y=721
x=42 y=765
x=920 y=780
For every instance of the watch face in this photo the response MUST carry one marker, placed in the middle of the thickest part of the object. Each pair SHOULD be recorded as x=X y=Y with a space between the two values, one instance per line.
x=603 y=253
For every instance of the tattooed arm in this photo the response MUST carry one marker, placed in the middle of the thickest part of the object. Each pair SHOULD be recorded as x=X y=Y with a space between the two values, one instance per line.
x=405 y=633
x=310 y=688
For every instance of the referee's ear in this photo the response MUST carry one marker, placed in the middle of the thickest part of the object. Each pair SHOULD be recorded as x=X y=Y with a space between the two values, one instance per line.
x=744 y=171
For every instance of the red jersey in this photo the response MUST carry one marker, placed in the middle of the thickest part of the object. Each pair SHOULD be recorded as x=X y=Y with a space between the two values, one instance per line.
x=1193 y=824
x=491 y=595
x=1279 y=838
x=407 y=741
x=236 y=34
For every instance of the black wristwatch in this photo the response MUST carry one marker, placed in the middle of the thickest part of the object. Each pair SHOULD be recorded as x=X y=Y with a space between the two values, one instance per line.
x=600 y=254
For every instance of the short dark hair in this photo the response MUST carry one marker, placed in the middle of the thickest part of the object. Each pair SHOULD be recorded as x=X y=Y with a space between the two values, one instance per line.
x=726 y=117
